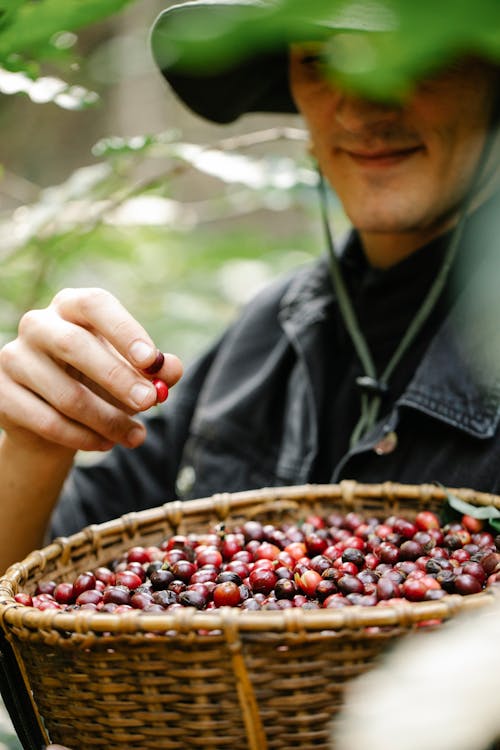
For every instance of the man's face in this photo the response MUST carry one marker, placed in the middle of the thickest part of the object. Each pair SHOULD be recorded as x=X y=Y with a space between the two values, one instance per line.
x=398 y=168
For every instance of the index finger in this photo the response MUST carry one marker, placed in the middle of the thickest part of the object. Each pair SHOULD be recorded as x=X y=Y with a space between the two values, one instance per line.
x=99 y=310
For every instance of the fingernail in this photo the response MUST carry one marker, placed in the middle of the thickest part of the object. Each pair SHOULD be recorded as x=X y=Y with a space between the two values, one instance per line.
x=140 y=351
x=135 y=437
x=139 y=393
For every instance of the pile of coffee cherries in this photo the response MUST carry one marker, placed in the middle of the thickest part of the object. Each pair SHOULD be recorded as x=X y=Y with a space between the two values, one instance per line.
x=332 y=562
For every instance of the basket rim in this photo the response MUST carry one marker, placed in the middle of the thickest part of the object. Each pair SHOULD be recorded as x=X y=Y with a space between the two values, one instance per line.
x=186 y=620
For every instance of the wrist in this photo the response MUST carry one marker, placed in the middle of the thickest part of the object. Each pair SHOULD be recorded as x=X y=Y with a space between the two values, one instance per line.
x=24 y=442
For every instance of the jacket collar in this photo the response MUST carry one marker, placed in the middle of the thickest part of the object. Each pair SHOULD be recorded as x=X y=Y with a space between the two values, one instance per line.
x=308 y=297
x=458 y=380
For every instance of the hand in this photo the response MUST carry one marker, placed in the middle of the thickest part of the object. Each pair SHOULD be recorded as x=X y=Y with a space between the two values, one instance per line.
x=74 y=376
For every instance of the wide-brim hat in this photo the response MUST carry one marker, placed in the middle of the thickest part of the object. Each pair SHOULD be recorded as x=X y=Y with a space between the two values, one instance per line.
x=225 y=58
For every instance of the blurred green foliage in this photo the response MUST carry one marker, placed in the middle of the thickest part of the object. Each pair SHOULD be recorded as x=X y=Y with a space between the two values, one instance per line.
x=31 y=31
x=377 y=47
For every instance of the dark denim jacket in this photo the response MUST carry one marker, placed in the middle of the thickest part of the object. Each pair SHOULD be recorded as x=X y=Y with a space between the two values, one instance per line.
x=246 y=414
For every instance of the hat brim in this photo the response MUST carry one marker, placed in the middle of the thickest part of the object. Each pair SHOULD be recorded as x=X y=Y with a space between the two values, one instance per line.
x=221 y=75
x=218 y=87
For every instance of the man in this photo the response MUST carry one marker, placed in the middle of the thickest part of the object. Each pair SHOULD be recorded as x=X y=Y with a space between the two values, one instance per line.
x=362 y=367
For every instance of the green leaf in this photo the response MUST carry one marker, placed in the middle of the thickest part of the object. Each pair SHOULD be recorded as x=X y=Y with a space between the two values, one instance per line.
x=482 y=512
x=383 y=63
x=27 y=29
x=424 y=39
x=456 y=505
x=8 y=12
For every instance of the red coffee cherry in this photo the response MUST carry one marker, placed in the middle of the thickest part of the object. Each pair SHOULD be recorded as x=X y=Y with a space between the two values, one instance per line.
x=161 y=390
x=226 y=594
x=90 y=596
x=24 y=599
x=263 y=580
x=426 y=520
x=84 y=582
x=64 y=593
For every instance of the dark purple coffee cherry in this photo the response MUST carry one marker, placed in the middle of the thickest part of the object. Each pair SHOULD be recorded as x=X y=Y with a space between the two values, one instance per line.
x=193 y=598
x=161 y=579
x=165 y=597
x=353 y=555
x=285 y=589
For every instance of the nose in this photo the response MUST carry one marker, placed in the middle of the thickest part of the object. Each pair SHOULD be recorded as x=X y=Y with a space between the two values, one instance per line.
x=354 y=114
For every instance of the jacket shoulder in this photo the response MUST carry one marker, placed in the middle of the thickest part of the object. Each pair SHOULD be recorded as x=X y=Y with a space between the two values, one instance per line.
x=283 y=292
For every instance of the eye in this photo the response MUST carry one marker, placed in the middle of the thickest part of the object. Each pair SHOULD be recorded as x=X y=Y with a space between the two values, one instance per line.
x=312 y=60
x=313 y=65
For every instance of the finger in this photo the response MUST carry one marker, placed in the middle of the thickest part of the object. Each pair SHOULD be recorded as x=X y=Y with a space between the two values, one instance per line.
x=87 y=353
x=41 y=376
x=170 y=371
x=23 y=410
x=99 y=310
x=95 y=388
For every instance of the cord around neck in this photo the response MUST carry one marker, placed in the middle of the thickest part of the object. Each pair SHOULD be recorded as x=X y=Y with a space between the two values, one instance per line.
x=373 y=385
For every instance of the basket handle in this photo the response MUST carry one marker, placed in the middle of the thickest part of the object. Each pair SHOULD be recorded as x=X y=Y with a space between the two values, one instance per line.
x=17 y=700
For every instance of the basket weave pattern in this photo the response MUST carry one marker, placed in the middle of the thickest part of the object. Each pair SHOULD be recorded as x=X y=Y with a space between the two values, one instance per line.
x=220 y=679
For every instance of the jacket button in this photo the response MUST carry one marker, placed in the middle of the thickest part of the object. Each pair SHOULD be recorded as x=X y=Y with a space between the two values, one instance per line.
x=386 y=445
x=185 y=480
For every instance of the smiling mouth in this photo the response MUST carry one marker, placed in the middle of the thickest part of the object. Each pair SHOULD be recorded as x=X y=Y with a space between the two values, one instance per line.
x=382 y=157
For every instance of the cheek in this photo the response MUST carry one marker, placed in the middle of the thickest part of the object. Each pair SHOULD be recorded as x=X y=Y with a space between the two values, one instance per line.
x=319 y=118
x=315 y=102
x=454 y=123
x=314 y=98
x=454 y=150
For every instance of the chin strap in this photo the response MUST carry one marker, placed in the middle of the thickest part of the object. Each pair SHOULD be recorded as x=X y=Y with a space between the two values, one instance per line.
x=374 y=386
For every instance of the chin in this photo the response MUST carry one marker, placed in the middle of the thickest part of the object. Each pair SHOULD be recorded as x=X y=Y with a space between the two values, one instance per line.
x=384 y=224
x=393 y=217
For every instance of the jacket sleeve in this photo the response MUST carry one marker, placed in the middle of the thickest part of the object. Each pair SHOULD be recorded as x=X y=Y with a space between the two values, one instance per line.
x=125 y=480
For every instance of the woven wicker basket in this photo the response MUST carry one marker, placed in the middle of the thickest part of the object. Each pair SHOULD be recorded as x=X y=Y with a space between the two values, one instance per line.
x=220 y=679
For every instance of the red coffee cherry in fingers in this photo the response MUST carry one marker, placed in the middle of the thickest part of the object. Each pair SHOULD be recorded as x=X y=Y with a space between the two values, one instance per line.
x=161 y=390
x=157 y=364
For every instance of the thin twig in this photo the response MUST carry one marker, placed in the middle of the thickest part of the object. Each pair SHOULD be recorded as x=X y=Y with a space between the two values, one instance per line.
x=245 y=140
